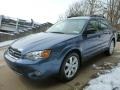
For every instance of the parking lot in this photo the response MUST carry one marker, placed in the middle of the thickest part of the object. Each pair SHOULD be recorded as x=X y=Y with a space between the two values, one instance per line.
x=10 y=81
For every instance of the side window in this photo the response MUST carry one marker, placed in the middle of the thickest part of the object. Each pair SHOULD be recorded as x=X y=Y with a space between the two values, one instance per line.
x=92 y=26
x=103 y=25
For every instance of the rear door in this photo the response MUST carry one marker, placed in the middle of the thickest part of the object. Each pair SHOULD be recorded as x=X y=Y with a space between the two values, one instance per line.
x=106 y=34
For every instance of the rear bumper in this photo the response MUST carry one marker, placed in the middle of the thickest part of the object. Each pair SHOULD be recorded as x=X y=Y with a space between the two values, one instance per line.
x=35 y=70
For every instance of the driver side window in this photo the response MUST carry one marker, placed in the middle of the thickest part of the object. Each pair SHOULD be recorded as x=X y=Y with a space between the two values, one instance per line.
x=92 y=27
x=103 y=25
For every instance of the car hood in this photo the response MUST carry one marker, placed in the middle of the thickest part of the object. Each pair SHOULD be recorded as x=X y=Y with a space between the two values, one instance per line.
x=40 y=41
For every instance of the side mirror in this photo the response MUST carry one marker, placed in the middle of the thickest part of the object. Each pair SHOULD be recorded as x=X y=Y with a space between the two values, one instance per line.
x=90 y=31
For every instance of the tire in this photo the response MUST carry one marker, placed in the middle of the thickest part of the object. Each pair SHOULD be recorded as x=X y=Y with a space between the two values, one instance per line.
x=69 y=67
x=110 y=50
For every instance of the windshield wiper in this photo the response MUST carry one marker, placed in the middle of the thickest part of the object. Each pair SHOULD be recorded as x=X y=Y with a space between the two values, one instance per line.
x=58 y=32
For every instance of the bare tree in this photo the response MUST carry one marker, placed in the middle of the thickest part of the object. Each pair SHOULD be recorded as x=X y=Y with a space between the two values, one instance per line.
x=91 y=4
x=113 y=11
x=76 y=9
x=87 y=7
x=109 y=8
x=94 y=7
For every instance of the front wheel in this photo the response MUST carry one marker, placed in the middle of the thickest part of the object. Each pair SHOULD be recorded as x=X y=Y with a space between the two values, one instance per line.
x=111 y=48
x=69 y=67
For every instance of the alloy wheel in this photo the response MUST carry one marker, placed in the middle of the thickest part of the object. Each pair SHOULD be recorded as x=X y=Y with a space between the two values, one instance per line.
x=71 y=66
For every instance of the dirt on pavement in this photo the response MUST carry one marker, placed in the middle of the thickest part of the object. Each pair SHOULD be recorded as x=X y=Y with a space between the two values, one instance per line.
x=10 y=81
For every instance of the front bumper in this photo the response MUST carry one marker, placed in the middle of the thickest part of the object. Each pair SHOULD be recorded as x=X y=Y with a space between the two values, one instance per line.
x=31 y=69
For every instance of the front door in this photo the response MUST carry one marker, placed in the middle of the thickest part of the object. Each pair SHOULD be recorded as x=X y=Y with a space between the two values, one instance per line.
x=91 y=39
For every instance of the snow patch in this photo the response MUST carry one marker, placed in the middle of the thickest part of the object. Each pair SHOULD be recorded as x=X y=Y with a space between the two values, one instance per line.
x=108 y=81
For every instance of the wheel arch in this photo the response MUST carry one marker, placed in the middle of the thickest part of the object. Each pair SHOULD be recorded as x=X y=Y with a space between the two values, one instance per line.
x=61 y=68
x=75 y=51
x=71 y=51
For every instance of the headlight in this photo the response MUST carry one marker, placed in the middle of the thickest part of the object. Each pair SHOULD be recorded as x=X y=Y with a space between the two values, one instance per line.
x=38 y=54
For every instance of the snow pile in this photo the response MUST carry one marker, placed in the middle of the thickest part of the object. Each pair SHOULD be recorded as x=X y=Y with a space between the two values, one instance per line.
x=6 y=43
x=108 y=81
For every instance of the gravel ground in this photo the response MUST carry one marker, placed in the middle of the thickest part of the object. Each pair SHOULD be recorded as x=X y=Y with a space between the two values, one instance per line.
x=10 y=81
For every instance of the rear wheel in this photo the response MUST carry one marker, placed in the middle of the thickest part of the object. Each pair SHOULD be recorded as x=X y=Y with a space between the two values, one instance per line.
x=111 y=48
x=69 y=67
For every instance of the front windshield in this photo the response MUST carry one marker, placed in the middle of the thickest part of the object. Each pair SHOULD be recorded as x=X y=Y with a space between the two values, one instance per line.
x=70 y=26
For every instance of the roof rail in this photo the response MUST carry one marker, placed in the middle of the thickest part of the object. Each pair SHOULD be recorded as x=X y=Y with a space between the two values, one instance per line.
x=97 y=16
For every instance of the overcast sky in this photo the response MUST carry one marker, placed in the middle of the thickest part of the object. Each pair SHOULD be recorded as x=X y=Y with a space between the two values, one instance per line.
x=39 y=10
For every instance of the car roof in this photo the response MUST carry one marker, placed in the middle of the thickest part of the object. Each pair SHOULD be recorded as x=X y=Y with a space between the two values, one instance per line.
x=87 y=17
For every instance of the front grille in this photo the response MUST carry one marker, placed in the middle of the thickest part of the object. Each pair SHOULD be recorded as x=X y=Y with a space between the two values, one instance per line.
x=14 y=52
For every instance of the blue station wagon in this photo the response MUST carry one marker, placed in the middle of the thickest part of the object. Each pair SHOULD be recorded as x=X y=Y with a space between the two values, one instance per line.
x=62 y=48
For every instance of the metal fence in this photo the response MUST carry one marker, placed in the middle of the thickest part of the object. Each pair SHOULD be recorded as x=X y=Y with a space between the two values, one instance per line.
x=14 y=25
x=10 y=36
x=13 y=28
